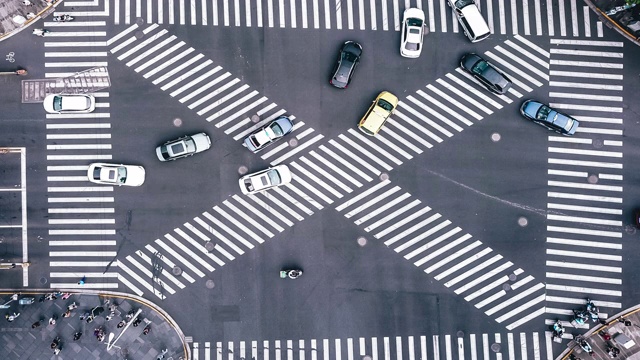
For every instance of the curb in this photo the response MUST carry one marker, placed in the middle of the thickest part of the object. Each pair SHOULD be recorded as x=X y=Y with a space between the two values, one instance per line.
x=114 y=294
x=612 y=24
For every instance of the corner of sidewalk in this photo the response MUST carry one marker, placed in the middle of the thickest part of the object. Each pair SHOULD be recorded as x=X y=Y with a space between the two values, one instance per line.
x=14 y=15
x=614 y=21
x=613 y=326
x=23 y=338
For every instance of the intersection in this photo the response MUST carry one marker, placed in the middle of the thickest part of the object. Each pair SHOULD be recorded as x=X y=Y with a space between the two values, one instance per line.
x=455 y=183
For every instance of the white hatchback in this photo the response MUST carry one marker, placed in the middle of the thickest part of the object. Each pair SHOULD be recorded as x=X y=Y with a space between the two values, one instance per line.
x=413 y=30
x=69 y=103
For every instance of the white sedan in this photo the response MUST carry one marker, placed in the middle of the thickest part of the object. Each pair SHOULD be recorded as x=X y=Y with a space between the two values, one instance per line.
x=413 y=30
x=114 y=174
x=184 y=146
x=69 y=103
x=266 y=179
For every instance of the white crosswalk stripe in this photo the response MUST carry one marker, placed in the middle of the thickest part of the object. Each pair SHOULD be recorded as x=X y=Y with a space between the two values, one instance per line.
x=478 y=346
x=84 y=224
x=584 y=232
x=364 y=15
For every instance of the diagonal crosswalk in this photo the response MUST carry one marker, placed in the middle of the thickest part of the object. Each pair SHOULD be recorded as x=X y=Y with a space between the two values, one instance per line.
x=585 y=195
x=472 y=346
x=333 y=170
x=526 y=17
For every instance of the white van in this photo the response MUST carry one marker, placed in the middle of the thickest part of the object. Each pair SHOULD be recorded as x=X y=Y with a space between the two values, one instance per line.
x=473 y=24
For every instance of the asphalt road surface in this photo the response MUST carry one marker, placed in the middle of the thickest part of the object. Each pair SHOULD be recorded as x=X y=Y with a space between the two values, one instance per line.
x=461 y=225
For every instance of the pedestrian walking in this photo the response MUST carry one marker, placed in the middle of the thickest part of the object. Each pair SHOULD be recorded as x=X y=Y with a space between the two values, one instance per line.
x=31 y=15
x=121 y=324
x=51 y=296
x=65 y=296
x=81 y=282
x=26 y=3
x=113 y=308
x=35 y=324
x=56 y=351
x=73 y=306
x=146 y=330
x=130 y=314
x=11 y=317
x=108 y=317
x=136 y=322
x=66 y=314
x=52 y=319
x=55 y=342
x=77 y=336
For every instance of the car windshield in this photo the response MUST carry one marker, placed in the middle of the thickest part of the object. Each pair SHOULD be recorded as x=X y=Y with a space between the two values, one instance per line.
x=480 y=67
x=385 y=104
x=57 y=103
x=462 y=3
x=122 y=174
x=277 y=130
x=274 y=177
x=414 y=22
x=543 y=113
x=348 y=57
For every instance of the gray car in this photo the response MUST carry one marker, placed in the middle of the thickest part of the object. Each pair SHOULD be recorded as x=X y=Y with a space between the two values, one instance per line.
x=268 y=134
x=187 y=145
x=492 y=78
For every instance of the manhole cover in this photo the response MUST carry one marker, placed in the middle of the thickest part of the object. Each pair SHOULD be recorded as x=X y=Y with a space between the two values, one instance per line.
x=460 y=334
x=597 y=143
x=209 y=246
x=210 y=284
x=495 y=137
x=592 y=179
x=255 y=118
x=630 y=229
x=293 y=142
x=513 y=277
x=506 y=287
x=384 y=176
x=242 y=170
x=495 y=347
x=177 y=271
x=140 y=21
x=522 y=221
x=139 y=35
x=43 y=281
x=367 y=357
x=362 y=241
x=177 y=122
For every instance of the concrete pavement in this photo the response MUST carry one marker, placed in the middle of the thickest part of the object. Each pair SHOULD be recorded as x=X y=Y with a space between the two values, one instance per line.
x=15 y=15
x=24 y=338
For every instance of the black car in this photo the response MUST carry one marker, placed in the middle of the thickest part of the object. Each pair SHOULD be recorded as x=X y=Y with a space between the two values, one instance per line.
x=495 y=80
x=347 y=62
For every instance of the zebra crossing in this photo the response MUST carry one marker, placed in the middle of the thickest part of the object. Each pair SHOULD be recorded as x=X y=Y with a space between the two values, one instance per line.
x=473 y=346
x=585 y=222
x=81 y=217
x=442 y=250
x=325 y=172
x=526 y=17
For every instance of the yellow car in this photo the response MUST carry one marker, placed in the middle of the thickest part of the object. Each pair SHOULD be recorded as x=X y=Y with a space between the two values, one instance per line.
x=378 y=113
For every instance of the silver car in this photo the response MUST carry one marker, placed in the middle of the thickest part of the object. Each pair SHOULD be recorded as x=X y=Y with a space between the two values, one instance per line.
x=264 y=180
x=269 y=133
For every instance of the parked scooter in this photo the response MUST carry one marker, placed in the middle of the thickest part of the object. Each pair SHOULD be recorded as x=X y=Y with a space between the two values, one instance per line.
x=558 y=331
x=291 y=274
x=584 y=344
x=62 y=18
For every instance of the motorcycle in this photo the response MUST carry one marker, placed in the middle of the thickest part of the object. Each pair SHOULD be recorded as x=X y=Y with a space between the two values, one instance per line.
x=579 y=318
x=584 y=345
x=558 y=331
x=291 y=274
x=62 y=18
x=40 y=32
x=592 y=309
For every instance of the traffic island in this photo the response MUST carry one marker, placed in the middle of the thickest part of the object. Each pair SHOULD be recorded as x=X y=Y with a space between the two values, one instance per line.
x=86 y=325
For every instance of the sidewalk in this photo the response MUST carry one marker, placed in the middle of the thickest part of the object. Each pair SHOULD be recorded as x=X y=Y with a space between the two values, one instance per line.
x=615 y=328
x=626 y=22
x=22 y=339
x=15 y=15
